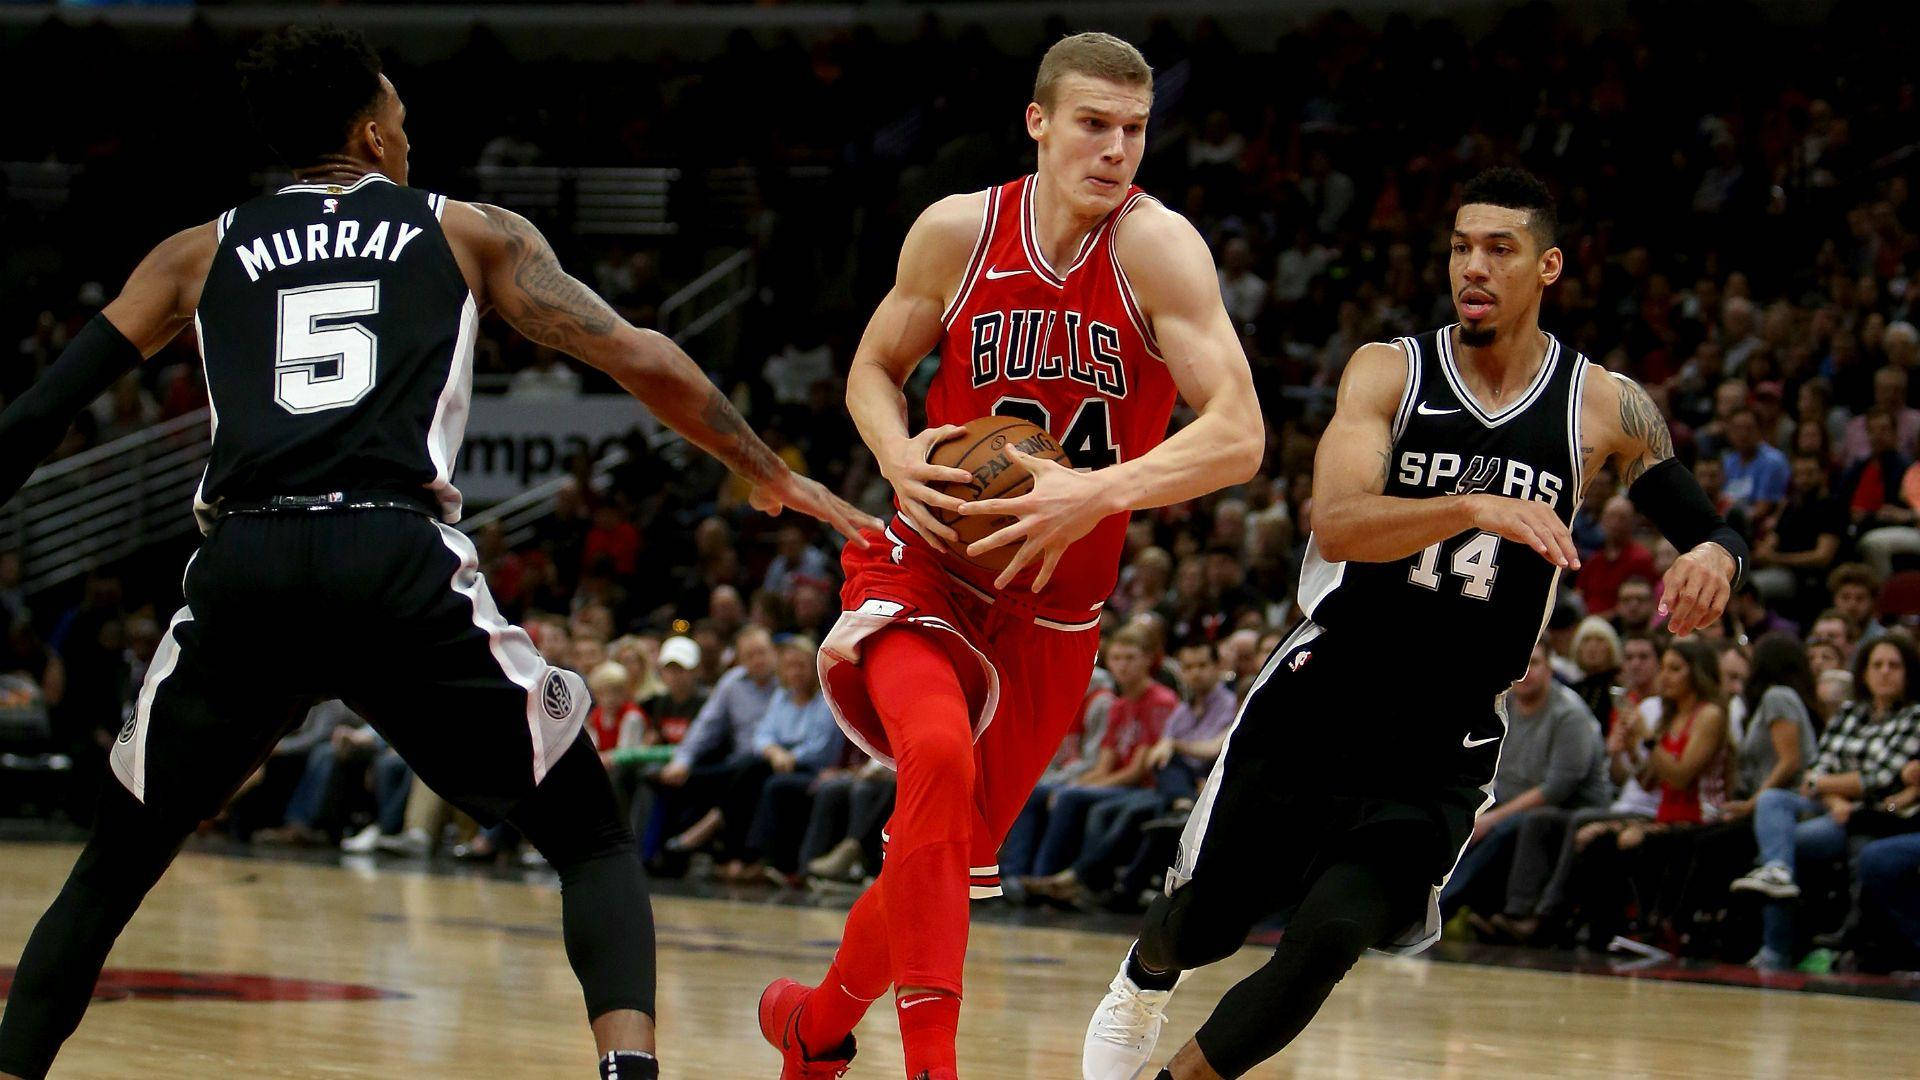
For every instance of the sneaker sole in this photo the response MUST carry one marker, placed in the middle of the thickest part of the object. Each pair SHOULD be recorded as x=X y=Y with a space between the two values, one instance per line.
x=1773 y=892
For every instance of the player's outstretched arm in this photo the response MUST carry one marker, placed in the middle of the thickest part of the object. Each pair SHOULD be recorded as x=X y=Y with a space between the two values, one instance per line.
x=156 y=302
x=1354 y=521
x=1620 y=423
x=903 y=330
x=1174 y=279
x=521 y=278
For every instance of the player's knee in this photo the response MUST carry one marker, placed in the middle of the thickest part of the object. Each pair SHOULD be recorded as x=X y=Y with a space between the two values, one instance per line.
x=1328 y=948
x=1184 y=932
x=938 y=758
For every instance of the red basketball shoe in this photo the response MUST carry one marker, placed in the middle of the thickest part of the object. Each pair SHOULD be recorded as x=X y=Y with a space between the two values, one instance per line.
x=780 y=1023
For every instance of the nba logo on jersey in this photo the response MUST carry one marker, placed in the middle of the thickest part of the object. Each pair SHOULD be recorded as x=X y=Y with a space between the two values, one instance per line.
x=1300 y=661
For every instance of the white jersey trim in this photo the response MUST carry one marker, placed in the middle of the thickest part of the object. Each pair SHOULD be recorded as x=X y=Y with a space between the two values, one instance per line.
x=336 y=189
x=1409 y=393
x=1128 y=300
x=1194 y=836
x=975 y=262
x=202 y=509
x=1541 y=380
x=449 y=427
x=129 y=756
x=519 y=661
x=1031 y=245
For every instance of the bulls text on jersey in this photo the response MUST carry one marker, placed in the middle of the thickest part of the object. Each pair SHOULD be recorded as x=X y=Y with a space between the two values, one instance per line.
x=1020 y=345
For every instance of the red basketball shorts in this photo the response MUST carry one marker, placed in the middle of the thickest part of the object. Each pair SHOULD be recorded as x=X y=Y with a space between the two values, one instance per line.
x=1024 y=666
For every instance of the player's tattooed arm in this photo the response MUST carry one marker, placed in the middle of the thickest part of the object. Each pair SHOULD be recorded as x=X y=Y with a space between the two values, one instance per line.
x=515 y=272
x=532 y=292
x=1647 y=441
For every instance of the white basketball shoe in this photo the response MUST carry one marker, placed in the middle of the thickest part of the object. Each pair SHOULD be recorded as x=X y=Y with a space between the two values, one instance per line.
x=1124 y=1029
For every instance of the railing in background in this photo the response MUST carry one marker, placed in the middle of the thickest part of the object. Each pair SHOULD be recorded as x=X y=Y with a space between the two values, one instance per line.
x=587 y=201
x=103 y=504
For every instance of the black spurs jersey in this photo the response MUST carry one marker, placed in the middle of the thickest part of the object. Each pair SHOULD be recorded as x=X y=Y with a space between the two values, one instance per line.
x=1469 y=608
x=337 y=334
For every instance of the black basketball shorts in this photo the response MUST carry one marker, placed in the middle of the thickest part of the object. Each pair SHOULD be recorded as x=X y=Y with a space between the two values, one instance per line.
x=1336 y=756
x=384 y=609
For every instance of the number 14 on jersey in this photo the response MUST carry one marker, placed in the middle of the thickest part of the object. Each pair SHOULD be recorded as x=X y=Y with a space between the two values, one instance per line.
x=1473 y=562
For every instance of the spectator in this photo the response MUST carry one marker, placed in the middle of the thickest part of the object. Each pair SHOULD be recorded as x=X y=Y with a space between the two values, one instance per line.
x=314 y=814
x=1551 y=758
x=796 y=558
x=1076 y=756
x=1633 y=609
x=765 y=809
x=1136 y=714
x=392 y=784
x=1777 y=741
x=1853 y=588
x=1620 y=557
x=1891 y=532
x=1756 y=472
x=1596 y=650
x=1889 y=397
x=1195 y=734
x=717 y=747
x=1860 y=758
x=843 y=838
x=1750 y=609
x=1244 y=294
x=1788 y=560
x=1871 y=486
x=1889 y=903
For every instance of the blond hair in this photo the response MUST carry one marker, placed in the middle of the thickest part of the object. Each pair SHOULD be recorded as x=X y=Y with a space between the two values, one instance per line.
x=1095 y=55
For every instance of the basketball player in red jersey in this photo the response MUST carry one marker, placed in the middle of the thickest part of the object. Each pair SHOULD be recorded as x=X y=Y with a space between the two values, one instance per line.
x=1071 y=299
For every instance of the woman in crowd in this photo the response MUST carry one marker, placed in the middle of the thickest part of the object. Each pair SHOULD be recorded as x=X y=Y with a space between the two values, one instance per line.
x=1776 y=742
x=1860 y=758
x=1683 y=766
x=1596 y=649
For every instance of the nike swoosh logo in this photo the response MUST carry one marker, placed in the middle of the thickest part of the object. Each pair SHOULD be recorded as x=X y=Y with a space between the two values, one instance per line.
x=1470 y=742
x=919 y=1001
x=995 y=273
x=1424 y=411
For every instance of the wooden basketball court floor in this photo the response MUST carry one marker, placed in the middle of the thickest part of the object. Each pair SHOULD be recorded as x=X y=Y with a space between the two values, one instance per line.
x=464 y=976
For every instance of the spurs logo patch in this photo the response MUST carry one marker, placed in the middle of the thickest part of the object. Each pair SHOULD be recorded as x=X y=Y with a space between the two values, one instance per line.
x=557 y=697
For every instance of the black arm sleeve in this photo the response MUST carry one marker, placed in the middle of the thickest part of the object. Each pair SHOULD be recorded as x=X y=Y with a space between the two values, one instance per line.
x=32 y=427
x=1671 y=498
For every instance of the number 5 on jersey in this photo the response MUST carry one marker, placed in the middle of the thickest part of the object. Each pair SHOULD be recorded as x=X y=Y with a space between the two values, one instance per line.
x=316 y=367
x=1473 y=562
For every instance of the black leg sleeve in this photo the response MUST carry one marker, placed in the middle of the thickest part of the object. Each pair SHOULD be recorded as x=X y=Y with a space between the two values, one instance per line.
x=128 y=852
x=606 y=916
x=1352 y=907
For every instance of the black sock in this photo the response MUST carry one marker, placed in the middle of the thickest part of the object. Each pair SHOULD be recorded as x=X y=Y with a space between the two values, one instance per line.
x=1165 y=1074
x=1148 y=980
x=629 y=1065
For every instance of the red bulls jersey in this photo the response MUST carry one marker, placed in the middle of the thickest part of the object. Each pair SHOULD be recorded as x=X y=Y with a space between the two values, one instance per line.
x=1067 y=348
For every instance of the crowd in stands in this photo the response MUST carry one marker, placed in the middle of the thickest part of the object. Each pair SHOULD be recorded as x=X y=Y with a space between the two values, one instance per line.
x=1748 y=255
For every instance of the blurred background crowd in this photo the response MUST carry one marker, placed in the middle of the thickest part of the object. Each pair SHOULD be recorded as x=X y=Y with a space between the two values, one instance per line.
x=1745 y=247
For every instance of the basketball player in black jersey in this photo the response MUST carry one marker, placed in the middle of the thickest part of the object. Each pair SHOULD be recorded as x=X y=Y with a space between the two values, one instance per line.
x=1366 y=748
x=336 y=320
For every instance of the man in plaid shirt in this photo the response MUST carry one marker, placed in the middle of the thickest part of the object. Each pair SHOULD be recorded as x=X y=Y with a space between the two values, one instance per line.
x=1872 y=738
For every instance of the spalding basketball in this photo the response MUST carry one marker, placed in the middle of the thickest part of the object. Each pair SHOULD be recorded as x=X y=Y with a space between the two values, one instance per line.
x=982 y=451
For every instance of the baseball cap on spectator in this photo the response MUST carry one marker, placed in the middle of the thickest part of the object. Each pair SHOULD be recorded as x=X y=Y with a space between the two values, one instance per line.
x=680 y=650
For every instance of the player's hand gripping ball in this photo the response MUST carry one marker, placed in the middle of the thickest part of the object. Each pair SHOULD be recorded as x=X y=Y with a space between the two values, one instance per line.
x=997 y=474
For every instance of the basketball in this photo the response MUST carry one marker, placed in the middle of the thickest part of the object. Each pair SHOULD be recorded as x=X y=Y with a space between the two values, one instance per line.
x=982 y=451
